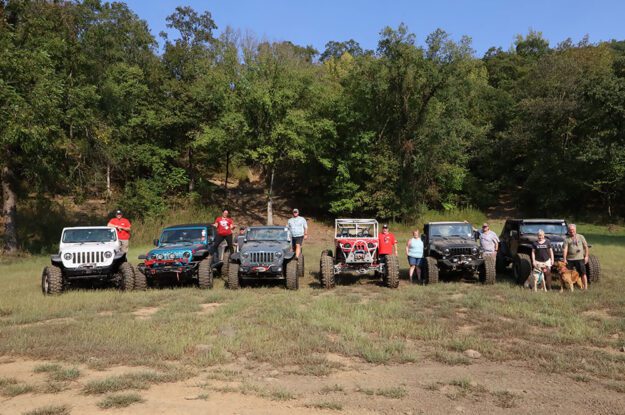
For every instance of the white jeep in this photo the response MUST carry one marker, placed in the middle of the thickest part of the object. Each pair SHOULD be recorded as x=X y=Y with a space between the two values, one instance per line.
x=88 y=253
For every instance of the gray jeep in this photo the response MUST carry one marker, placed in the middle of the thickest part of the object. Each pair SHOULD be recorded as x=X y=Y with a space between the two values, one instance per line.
x=452 y=248
x=264 y=253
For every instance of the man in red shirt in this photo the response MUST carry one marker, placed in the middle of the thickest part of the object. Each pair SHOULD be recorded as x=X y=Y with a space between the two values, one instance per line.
x=122 y=225
x=225 y=226
x=386 y=243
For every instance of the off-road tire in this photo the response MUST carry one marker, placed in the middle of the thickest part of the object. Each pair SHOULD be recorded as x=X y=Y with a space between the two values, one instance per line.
x=52 y=280
x=392 y=271
x=593 y=269
x=127 y=276
x=292 y=279
x=522 y=267
x=233 y=276
x=300 y=265
x=225 y=263
x=205 y=273
x=488 y=271
x=327 y=271
x=430 y=272
x=141 y=282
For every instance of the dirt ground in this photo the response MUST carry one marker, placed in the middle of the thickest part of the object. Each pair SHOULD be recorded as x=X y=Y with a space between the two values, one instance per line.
x=358 y=388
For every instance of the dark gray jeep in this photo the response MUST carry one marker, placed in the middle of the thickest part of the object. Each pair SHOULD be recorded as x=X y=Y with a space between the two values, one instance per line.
x=265 y=253
x=452 y=248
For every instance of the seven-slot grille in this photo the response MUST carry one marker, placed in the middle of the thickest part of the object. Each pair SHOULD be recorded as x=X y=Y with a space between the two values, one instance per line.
x=557 y=247
x=94 y=257
x=261 y=257
x=460 y=251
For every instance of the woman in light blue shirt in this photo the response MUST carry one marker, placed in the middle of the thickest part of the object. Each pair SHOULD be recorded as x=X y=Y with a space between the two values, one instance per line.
x=414 y=251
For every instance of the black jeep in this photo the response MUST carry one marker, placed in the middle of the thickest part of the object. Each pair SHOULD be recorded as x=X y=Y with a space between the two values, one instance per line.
x=515 y=248
x=452 y=248
x=265 y=253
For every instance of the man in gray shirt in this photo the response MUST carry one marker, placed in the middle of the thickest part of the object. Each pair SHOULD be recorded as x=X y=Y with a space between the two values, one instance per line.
x=489 y=240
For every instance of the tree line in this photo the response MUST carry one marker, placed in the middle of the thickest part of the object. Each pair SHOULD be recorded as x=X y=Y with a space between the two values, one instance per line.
x=90 y=105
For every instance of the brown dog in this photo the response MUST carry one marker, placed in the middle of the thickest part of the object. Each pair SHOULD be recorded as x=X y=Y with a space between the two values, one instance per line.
x=567 y=276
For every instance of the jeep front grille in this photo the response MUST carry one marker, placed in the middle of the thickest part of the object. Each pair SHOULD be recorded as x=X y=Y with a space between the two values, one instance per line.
x=94 y=257
x=261 y=257
x=460 y=251
x=558 y=247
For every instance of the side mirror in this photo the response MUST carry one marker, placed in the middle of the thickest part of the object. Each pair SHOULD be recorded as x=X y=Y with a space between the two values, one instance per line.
x=476 y=235
x=143 y=257
x=155 y=242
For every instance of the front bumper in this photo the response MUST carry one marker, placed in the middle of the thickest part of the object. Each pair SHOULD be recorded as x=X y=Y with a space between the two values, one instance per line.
x=262 y=271
x=168 y=269
x=461 y=263
x=89 y=272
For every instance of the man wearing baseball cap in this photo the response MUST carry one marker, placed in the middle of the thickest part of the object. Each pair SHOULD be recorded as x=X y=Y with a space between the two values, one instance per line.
x=387 y=244
x=489 y=240
x=299 y=231
x=122 y=225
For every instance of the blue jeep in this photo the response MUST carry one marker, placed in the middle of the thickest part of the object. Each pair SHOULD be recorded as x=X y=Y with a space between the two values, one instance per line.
x=182 y=255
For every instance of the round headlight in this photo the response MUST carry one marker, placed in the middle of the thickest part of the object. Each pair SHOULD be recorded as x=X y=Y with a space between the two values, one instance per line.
x=108 y=254
x=474 y=250
x=278 y=254
x=67 y=256
x=370 y=245
x=347 y=245
x=446 y=251
x=245 y=254
x=172 y=256
x=187 y=254
x=159 y=256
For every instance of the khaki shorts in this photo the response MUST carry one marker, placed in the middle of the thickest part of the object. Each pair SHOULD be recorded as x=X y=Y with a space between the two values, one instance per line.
x=124 y=244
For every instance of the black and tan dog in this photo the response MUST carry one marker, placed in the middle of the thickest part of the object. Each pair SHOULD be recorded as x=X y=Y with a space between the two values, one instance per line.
x=568 y=276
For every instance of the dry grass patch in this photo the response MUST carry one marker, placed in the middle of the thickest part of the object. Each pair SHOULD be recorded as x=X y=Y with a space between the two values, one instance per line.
x=332 y=406
x=120 y=400
x=140 y=380
x=50 y=410
x=11 y=387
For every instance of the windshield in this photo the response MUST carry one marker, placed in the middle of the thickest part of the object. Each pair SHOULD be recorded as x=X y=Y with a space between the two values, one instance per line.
x=355 y=231
x=549 y=228
x=75 y=236
x=176 y=236
x=260 y=234
x=463 y=230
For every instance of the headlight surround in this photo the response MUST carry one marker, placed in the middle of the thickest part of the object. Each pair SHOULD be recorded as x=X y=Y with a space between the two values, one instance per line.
x=370 y=245
x=446 y=251
x=474 y=250
x=245 y=254
x=347 y=245
x=187 y=254
x=108 y=254
x=278 y=254
x=159 y=256
x=172 y=256
x=67 y=256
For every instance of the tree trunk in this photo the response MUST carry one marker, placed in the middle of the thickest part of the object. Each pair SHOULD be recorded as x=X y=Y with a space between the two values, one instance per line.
x=109 y=192
x=9 y=208
x=270 y=200
x=227 y=172
x=190 y=171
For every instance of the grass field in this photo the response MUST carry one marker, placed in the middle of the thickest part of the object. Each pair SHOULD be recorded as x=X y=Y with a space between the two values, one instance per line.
x=177 y=332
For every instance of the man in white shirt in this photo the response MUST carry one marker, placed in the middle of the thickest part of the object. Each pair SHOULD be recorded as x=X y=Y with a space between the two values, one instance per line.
x=489 y=240
x=299 y=231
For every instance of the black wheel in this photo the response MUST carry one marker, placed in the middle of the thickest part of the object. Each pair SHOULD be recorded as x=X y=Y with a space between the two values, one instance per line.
x=233 y=276
x=488 y=272
x=225 y=263
x=327 y=270
x=593 y=269
x=292 y=280
x=141 y=282
x=430 y=271
x=51 y=280
x=522 y=267
x=300 y=265
x=127 y=277
x=501 y=264
x=392 y=271
x=205 y=273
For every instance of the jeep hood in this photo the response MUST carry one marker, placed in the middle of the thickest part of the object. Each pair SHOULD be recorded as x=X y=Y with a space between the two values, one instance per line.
x=529 y=238
x=176 y=248
x=258 y=246
x=454 y=242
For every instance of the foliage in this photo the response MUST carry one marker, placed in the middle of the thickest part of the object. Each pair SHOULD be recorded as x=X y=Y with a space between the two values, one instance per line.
x=90 y=108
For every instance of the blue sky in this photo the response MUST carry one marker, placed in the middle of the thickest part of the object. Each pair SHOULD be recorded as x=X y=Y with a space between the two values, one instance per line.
x=487 y=22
